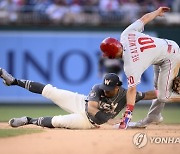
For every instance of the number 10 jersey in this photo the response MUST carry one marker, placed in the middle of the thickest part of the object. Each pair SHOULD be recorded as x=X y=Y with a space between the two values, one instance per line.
x=140 y=51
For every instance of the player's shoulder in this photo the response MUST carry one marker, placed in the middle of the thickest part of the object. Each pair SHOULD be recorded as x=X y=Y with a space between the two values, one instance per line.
x=96 y=88
x=95 y=92
x=125 y=34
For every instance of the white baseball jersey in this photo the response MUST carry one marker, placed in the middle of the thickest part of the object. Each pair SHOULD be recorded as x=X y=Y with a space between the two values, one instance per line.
x=141 y=51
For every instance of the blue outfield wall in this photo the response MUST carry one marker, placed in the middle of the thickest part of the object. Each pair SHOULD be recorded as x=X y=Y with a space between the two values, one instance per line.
x=67 y=60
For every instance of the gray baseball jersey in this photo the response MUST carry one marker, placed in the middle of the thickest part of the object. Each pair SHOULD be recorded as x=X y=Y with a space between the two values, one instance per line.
x=110 y=106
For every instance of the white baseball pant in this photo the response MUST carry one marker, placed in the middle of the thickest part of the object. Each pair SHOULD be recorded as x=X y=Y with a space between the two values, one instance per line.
x=71 y=102
x=163 y=77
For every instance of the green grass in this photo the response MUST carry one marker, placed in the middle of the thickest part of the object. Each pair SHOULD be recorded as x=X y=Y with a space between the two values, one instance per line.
x=15 y=132
x=11 y=111
x=171 y=113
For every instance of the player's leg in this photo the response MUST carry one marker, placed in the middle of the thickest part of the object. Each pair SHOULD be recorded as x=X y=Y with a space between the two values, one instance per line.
x=9 y=80
x=71 y=121
x=41 y=121
x=169 y=70
x=154 y=113
x=67 y=100
x=153 y=116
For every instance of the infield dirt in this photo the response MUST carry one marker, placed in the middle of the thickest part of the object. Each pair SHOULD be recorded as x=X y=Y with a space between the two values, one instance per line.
x=95 y=141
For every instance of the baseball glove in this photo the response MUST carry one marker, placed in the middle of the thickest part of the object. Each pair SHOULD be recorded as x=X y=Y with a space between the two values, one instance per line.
x=176 y=85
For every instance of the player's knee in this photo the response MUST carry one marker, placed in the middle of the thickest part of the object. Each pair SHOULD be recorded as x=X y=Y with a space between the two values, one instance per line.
x=49 y=91
x=57 y=121
x=162 y=99
x=173 y=97
x=46 y=90
x=165 y=99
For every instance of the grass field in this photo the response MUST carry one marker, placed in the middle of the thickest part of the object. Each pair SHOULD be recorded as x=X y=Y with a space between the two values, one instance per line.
x=171 y=112
x=15 y=132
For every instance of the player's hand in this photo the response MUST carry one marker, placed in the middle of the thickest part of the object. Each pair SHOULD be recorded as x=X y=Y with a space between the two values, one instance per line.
x=125 y=120
x=162 y=10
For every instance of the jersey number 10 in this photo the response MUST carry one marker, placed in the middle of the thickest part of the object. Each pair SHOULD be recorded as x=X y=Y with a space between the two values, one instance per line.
x=146 y=43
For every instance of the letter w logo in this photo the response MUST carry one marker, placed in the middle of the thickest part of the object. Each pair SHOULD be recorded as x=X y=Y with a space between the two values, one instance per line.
x=107 y=82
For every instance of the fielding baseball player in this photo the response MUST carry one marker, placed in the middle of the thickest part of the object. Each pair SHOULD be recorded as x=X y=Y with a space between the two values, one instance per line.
x=138 y=52
x=103 y=103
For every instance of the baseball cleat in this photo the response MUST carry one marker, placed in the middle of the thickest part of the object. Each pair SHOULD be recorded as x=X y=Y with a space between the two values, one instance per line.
x=17 y=122
x=145 y=122
x=8 y=79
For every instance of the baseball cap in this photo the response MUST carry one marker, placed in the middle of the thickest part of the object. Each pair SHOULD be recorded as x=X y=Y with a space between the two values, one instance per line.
x=111 y=80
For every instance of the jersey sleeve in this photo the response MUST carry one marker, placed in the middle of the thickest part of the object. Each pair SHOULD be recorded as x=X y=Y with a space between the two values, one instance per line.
x=94 y=94
x=133 y=75
x=138 y=25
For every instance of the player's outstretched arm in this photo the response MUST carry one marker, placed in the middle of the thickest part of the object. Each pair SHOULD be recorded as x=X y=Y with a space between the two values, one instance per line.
x=99 y=117
x=152 y=15
x=93 y=107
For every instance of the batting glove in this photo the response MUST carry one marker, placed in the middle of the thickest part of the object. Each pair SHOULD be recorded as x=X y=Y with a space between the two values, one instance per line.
x=126 y=117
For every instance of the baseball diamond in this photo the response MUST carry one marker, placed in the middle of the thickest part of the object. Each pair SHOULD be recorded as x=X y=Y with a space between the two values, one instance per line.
x=97 y=141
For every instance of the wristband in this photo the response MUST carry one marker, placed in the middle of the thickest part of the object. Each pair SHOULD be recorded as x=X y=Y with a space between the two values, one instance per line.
x=101 y=116
x=130 y=107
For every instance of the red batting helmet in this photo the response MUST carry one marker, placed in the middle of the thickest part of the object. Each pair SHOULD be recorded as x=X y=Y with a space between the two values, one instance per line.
x=110 y=46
